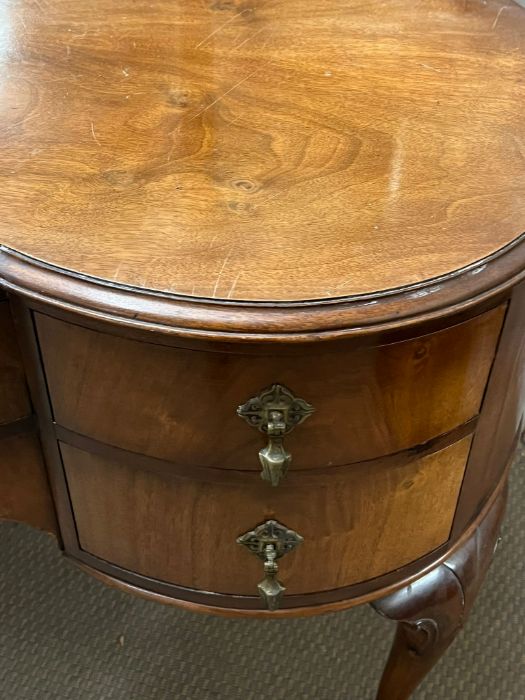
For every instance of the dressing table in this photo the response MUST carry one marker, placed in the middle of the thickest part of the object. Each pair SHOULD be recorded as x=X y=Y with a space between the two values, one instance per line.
x=262 y=319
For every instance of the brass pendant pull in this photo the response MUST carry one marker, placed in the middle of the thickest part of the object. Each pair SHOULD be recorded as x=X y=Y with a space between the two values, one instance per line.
x=270 y=541
x=275 y=412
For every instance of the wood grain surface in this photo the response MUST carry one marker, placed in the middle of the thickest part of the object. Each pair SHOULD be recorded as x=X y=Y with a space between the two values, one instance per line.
x=183 y=531
x=262 y=150
x=180 y=405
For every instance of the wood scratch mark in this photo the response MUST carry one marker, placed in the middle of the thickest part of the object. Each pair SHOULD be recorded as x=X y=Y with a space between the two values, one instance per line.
x=425 y=65
x=505 y=7
x=170 y=153
x=221 y=97
x=250 y=38
x=22 y=21
x=226 y=259
x=216 y=31
x=94 y=135
x=63 y=78
x=520 y=145
x=233 y=285
x=234 y=121
x=18 y=123
x=117 y=271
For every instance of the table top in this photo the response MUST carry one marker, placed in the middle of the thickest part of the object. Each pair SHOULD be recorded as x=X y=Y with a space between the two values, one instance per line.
x=262 y=150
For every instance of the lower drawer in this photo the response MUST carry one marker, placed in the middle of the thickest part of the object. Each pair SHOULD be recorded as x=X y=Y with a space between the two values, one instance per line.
x=358 y=524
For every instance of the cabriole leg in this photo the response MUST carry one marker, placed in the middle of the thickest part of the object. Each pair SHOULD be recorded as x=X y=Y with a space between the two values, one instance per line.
x=431 y=611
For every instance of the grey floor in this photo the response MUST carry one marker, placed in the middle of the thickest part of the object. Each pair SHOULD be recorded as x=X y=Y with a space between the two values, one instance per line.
x=66 y=636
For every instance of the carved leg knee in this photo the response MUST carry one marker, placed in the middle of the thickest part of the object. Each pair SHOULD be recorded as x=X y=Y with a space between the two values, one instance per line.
x=431 y=611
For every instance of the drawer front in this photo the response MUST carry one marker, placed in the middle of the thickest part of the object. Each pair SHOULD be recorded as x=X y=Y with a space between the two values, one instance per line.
x=364 y=523
x=14 y=400
x=180 y=405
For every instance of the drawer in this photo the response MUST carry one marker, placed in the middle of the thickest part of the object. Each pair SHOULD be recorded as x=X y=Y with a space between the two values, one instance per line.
x=14 y=400
x=180 y=405
x=363 y=523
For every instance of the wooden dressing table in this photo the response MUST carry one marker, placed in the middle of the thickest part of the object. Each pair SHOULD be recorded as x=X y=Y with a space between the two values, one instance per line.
x=262 y=328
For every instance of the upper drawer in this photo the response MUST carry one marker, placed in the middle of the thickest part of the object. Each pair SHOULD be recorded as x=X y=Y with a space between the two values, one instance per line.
x=14 y=400
x=180 y=404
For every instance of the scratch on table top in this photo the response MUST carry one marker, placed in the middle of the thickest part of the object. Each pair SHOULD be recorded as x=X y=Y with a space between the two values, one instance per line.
x=219 y=29
x=221 y=97
x=226 y=259
x=505 y=7
x=18 y=123
x=521 y=146
x=234 y=284
x=249 y=38
x=84 y=31
x=425 y=65
x=210 y=245
x=21 y=20
x=230 y=122
x=170 y=153
x=39 y=5
x=117 y=271
x=94 y=135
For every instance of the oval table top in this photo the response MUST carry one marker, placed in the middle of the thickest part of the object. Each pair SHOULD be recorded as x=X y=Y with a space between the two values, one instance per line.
x=262 y=150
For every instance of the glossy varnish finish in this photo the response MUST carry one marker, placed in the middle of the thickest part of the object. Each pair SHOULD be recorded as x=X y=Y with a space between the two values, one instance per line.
x=261 y=150
x=367 y=522
x=181 y=405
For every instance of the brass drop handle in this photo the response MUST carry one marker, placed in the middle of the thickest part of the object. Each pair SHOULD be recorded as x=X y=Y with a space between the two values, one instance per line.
x=275 y=412
x=270 y=588
x=270 y=541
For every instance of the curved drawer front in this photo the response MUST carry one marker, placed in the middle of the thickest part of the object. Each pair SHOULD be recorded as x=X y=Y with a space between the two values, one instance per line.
x=366 y=522
x=180 y=405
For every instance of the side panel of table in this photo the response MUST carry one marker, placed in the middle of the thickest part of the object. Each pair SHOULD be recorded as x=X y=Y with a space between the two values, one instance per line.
x=502 y=420
x=24 y=488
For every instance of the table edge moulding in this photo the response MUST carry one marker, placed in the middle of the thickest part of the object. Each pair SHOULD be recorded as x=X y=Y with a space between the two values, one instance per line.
x=390 y=312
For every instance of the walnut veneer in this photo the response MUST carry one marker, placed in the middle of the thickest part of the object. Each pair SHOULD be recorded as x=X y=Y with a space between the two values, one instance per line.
x=239 y=233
